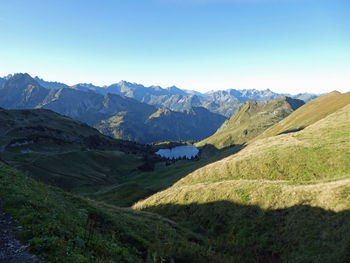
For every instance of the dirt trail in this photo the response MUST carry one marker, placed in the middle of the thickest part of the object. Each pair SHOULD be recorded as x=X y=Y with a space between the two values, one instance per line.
x=11 y=250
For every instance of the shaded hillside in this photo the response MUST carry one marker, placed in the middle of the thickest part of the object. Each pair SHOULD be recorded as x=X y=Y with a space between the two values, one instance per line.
x=2 y=81
x=115 y=115
x=263 y=221
x=250 y=120
x=46 y=131
x=138 y=186
x=66 y=153
x=75 y=157
x=66 y=228
x=92 y=108
x=162 y=125
x=21 y=91
x=80 y=171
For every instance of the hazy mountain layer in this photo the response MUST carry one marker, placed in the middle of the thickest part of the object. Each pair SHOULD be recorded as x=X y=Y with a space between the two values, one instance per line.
x=119 y=116
x=164 y=124
x=50 y=84
x=224 y=102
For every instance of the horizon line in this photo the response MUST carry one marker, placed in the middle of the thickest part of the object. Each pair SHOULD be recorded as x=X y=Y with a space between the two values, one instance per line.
x=160 y=86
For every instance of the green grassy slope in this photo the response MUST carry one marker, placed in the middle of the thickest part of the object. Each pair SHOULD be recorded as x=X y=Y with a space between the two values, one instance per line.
x=25 y=129
x=320 y=151
x=281 y=199
x=250 y=120
x=308 y=155
x=139 y=185
x=67 y=228
x=75 y=157
x=310 y=113
x=263 y=221
x=79 y=171
x=66 y=153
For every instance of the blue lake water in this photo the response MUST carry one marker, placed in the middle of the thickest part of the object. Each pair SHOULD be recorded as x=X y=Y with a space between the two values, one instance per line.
x=179 y=151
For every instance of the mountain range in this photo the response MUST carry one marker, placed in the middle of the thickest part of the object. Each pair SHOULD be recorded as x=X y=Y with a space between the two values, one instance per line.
x=223 y=102
x=124 y=109
x=116 y=115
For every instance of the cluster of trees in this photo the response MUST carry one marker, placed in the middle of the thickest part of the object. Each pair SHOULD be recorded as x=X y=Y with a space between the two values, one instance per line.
x=171 y=144
x=169 y=161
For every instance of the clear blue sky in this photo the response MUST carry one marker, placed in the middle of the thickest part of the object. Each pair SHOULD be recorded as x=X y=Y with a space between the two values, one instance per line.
x=285 y=45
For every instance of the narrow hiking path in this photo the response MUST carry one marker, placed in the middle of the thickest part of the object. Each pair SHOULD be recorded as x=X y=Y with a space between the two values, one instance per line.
x=11 y=250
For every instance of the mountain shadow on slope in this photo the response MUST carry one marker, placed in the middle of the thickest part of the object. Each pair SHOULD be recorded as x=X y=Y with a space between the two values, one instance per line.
x=246 y=233
x=141 y=185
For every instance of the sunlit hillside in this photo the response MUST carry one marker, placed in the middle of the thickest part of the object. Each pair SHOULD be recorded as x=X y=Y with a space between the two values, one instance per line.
x=250 y=120
x=285 y=196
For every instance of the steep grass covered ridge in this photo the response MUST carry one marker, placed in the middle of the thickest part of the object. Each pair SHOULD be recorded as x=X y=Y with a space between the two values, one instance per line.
x=310 y=113
x=319 y=151
x=284 y=198
x=250 y=120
